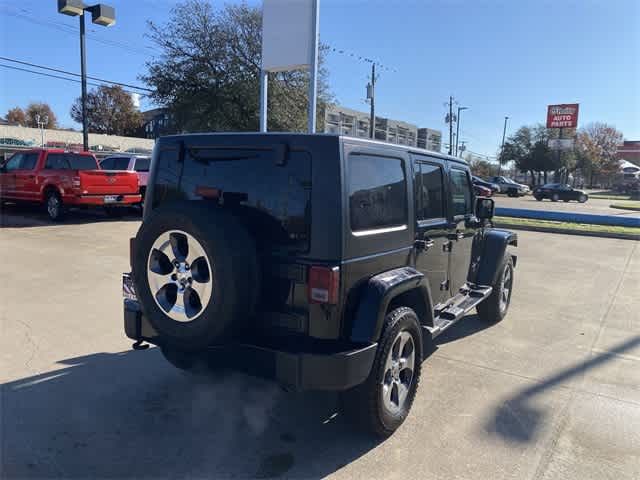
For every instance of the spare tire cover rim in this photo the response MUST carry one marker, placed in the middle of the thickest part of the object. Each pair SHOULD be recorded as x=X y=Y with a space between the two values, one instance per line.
x=179 y=275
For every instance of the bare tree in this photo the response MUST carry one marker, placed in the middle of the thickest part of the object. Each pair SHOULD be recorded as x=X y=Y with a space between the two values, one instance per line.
x=110 y=110
x=44 y=110
x=597 y=144
x=16 y=116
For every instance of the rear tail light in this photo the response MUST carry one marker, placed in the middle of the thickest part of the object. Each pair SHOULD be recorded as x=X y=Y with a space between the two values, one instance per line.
x=75 y=181
x=324 y=284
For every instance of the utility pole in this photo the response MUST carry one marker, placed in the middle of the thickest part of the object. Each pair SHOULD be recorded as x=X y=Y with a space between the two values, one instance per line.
x=371 y=94
x=504 y=132
x=450 y=125
x=458 y=127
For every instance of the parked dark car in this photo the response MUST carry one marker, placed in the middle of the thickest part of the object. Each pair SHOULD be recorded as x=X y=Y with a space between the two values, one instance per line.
x=321 y=262
x=510 y=187
x=559 y=191
x=495 y=188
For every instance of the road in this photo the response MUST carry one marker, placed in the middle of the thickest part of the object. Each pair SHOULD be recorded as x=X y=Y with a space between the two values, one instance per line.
x=552 y=392
x=594 y=206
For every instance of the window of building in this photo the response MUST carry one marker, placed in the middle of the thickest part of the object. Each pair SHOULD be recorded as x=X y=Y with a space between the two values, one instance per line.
x=429 y=191
x=377 y=192
x=461 y=198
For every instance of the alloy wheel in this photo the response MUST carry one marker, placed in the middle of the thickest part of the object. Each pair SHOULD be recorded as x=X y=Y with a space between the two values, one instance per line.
x=398 y=372
x=179 y=275
x=505 y=288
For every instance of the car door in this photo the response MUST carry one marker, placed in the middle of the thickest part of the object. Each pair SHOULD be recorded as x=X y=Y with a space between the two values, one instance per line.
x=462 y=226
x=431 y=224
x=8 y=177
x=26 y=183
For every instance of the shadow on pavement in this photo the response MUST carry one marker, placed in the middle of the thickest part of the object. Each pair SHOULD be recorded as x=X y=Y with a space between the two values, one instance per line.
x=132 y=415
x=516 y=419
x=469 y=325
x=25 y=216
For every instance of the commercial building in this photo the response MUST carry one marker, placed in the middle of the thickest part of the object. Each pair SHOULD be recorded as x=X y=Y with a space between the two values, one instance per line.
x=629 y=151
x=345 y=121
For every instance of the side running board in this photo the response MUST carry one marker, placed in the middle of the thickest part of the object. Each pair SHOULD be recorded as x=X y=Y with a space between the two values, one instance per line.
x=461 y=304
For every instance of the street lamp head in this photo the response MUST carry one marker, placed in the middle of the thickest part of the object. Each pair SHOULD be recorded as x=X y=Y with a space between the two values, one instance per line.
x=103 y=15
x=463 y=108
x=71 y=7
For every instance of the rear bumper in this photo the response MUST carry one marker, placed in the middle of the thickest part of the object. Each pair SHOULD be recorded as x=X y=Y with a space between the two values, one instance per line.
x=98 y=200
x=331 y=369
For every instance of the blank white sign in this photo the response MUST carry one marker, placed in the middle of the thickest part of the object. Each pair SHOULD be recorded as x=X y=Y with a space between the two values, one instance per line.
x=287 y=34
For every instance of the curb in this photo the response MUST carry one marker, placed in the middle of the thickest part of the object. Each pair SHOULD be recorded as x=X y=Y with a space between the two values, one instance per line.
x=564 y=231
x=571 y=217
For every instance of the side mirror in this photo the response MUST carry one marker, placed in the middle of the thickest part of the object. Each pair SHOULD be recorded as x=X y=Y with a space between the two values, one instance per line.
x=484 y=208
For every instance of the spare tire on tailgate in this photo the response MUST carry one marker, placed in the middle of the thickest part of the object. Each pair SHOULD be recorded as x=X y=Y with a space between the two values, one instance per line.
x=196 y=274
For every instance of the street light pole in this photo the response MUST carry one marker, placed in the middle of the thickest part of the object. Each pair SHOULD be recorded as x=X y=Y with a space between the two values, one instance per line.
x=504 y=132
x=83 y=74
x=100 y=15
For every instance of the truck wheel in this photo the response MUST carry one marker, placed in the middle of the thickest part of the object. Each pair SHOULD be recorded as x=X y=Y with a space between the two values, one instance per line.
x=55 y=208
x=382 y=402
x=582 y=198
x=196 y=274
x=495 y=307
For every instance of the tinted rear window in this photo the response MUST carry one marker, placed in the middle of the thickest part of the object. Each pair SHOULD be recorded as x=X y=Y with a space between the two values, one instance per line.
x=142 y=164
x=274 y=195
x=81 y=162
x=377 y=192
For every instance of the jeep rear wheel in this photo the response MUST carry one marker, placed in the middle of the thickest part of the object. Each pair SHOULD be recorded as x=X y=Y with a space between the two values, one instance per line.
x=382 y=403
x=196 y=274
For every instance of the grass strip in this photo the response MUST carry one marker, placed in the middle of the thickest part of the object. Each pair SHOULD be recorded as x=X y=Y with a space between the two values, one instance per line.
x=633 y=206
x=574 y=227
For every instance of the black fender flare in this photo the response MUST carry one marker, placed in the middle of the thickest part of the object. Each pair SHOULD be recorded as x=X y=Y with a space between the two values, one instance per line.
x=487 y=252
x=380 y=290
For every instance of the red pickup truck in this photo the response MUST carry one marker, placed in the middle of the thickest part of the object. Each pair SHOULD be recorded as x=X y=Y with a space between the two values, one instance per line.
x=60 y=179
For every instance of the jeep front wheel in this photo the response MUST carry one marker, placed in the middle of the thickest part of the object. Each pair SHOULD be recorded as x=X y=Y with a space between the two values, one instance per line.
x=381 y=404
x=495 y=307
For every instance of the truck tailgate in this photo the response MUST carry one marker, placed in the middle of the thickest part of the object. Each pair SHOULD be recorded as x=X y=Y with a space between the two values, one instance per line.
x=101 y=182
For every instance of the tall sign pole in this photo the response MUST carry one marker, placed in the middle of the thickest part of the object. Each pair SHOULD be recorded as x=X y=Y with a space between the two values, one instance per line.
x=313 y=68
x=290 y=31
x=264 y=81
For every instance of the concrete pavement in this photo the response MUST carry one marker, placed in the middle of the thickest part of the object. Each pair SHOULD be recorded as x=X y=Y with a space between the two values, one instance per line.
x=552 y=392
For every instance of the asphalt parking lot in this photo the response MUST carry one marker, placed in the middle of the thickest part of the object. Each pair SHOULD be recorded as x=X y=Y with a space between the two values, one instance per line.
x=553 y=392
x=594 y=206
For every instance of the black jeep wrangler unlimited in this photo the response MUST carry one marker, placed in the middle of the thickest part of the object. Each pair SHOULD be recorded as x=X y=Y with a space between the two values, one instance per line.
x=322 y=262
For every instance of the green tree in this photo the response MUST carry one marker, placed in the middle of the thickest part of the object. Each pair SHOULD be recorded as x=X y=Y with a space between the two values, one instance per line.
x=208 y=73
x=44 y=110
x=16 y=116
x=110 y=110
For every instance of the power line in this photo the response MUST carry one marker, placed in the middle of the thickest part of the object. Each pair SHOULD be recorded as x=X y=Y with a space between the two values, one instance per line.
x=62 y=27
x=13 y=67
x=359 y=57
x=74 y=74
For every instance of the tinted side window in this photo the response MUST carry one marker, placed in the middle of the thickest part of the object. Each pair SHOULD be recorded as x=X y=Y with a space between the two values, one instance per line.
x=460 y=192
x=56 y=161
x=429 y=191
x=29 y=161
x=14 y=162
x=142 y=164
x=377 y=190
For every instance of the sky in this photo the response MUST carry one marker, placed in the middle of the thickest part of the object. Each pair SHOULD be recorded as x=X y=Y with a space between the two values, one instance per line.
x=497 y=57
